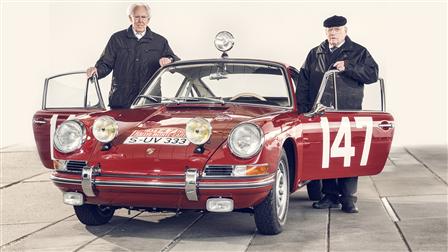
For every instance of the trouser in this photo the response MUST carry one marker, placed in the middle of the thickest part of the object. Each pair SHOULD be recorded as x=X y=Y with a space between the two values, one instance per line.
x=346 y=187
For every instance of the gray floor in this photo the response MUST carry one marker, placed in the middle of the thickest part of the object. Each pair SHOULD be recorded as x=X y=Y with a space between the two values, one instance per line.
x=414 y=184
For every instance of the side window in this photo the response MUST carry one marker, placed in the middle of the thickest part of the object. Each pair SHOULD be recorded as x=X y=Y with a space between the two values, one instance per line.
x=335 y=94
x=374 y=96
x=72 y=90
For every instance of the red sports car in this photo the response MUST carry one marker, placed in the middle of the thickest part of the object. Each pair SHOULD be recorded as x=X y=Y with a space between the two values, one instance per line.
x=218 y=135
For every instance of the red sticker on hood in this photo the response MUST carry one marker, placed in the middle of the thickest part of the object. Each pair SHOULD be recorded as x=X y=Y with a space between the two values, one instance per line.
x=159 y=132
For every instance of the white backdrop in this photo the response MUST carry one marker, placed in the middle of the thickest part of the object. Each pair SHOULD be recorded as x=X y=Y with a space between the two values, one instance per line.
x=407 y=39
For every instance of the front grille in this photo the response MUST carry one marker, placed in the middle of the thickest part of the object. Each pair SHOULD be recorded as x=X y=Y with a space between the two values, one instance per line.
x=75 y=166
x=218 y=170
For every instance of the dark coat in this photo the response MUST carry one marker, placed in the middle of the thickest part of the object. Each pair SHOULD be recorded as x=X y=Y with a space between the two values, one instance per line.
x=133 y=63
x=360 y=69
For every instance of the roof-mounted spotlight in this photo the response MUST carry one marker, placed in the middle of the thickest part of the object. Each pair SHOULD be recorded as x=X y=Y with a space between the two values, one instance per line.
x=224 y=41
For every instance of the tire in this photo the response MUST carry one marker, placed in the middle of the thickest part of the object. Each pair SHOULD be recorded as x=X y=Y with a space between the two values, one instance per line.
x=94 y=215
x=270 y=215
x=314 y=188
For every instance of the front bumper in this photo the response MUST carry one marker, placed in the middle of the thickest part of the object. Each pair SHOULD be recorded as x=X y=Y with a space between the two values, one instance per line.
x=190 y=191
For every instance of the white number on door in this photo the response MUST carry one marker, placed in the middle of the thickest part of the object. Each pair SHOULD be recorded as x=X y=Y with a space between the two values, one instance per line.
x=344 y=133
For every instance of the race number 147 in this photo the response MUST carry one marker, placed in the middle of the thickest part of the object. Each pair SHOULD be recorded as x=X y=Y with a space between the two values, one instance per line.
x=344 y=133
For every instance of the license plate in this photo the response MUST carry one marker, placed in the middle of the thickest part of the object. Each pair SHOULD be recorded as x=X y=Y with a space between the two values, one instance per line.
x=157 y=140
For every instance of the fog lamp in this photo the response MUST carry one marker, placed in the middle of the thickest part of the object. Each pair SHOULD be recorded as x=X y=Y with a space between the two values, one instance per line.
x=105 y=129
x=220 y=205
x=198 y=130
x=73 y=198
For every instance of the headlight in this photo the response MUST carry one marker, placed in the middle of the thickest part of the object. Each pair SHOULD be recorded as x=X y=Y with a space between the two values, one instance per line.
x=105 y=129
x=198 y=130
x=246 y=140
x=224 y=41
x=69 y=136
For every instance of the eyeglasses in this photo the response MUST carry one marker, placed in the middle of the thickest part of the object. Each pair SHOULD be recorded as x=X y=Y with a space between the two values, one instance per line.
x=140 y=17
x=335 y=29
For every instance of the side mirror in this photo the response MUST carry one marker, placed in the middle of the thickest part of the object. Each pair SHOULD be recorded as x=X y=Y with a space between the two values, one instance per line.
x=318 y=109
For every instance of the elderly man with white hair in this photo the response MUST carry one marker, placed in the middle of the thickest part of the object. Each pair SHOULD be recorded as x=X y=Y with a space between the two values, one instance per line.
x=134 y=55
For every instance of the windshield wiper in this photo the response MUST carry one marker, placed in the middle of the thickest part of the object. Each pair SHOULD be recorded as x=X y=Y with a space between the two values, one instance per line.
x=220 y=100
x=158 y=99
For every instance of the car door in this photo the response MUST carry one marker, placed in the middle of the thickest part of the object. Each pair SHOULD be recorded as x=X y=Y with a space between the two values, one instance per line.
x=65 y=96
x=345 y=143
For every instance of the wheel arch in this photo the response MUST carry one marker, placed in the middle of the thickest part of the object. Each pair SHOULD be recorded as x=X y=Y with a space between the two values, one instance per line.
x=290 y=149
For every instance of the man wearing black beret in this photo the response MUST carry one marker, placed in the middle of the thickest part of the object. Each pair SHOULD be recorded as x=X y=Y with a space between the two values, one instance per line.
x=357 y=67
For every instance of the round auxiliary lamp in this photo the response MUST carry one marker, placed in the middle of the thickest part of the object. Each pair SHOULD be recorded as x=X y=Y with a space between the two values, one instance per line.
x=224 y=41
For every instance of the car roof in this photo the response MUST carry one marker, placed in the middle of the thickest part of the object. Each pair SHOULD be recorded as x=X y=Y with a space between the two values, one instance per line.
x=229 y=60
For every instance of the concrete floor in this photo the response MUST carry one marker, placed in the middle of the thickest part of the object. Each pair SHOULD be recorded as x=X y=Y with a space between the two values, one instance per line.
x=414 y=183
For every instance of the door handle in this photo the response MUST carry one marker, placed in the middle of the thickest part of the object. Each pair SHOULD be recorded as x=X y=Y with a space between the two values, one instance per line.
x=306 y=142
x=386 y=125
x=39 y=121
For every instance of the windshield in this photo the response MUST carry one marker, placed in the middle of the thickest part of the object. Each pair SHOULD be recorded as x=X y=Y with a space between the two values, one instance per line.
x=218 y=83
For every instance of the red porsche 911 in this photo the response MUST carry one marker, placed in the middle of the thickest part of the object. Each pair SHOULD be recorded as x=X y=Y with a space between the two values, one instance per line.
x=216 y=134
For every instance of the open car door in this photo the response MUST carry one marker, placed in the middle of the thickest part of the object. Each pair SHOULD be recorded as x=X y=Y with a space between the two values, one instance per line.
x=345 y=143
x=65 y=95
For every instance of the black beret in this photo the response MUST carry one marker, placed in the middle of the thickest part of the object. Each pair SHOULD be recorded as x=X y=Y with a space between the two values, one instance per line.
x=335 y=21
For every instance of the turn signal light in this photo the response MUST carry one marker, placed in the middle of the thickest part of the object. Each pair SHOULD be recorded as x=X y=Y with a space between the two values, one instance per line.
x=250 y=170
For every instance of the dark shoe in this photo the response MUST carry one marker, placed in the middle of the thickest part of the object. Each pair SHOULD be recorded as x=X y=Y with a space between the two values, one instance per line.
x=349 y=207
x=327 y=202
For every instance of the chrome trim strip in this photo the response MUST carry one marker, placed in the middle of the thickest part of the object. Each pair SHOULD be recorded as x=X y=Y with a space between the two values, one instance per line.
x=245 y=185
x=386 y=125
x=204 y=176
x=335 y=92
x=36 y=121
x=169 y=185
x=65 y=180
x=140 y=184
x=115 y=175
x=208 y=177
x=383 y=95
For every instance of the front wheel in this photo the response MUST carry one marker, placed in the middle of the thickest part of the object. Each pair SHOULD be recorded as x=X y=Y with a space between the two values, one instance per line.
x=94 y=215
x=270 y=214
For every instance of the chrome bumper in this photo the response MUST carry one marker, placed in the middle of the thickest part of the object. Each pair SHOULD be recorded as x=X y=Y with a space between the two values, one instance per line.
x=90 y=178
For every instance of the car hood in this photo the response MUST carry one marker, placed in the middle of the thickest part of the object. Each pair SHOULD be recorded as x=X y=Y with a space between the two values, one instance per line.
x=157 y=159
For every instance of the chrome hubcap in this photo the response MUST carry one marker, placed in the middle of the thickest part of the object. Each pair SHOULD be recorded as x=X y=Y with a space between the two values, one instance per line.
x=281 y=191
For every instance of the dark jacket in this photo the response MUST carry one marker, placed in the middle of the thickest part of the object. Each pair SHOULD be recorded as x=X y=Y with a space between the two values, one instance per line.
x=133 y=63
x=360 y=69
